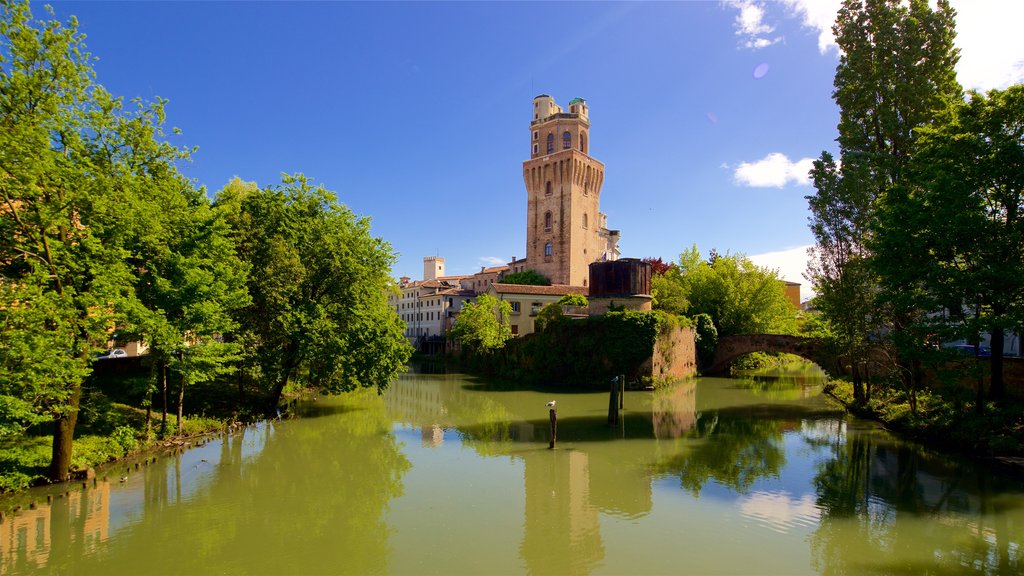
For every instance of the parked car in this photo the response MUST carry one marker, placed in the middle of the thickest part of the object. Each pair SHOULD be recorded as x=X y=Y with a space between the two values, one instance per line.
x=115 y=353
x=968 y=349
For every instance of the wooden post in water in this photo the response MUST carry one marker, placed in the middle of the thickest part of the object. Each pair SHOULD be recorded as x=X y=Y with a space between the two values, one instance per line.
x=553 y=415
x=622 y=390
x=613 y=402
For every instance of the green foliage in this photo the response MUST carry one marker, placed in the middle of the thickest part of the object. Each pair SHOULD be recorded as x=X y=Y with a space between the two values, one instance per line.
x=586 y=351
x=738 y=296
x=952 y=236
x=125 y=438
x=483 y=326
x=573 y=300
x=944 y=417
x=548 y=314
x=527 y=277
x=318 y=284
x=707 y=338
x=79 y=172
x=895 y=75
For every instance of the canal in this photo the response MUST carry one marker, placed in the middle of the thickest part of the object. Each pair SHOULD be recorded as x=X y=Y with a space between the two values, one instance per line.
x=447 y=474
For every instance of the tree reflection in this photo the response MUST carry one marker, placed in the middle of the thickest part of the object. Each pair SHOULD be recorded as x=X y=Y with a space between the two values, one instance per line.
x=309 y=497
x=889 y=508
x=733 y=450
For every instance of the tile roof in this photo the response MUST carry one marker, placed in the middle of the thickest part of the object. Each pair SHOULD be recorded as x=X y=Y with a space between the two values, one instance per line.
x=555 y=290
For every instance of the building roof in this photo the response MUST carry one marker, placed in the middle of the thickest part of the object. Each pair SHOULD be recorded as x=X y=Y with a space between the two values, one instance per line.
x=555 y=290
x=493 y=270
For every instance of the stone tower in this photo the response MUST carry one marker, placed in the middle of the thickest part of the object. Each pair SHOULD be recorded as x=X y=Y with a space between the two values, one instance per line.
x=565 y=230
x=433 y=267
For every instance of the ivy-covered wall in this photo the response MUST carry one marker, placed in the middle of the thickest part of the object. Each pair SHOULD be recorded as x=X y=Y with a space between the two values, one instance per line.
x=644 y=346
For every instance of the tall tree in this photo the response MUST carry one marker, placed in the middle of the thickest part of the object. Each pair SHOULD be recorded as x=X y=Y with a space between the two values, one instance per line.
x=190 y=281
x=896 y=74
x=73 y=164
x=953 y=236
x=318 y=283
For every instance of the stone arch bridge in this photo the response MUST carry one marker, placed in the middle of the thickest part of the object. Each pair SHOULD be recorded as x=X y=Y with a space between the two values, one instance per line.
x=732 y=347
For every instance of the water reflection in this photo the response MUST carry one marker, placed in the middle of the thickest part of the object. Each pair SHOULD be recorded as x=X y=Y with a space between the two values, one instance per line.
x=75 y=524
x=890 y=507
x=446 y=474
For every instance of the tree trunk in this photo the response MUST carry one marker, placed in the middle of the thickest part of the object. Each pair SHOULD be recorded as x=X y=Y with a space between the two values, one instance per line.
x=163 y=393
x=287 y=365
x=181 y=403
x=63 y=435
x=997 y=388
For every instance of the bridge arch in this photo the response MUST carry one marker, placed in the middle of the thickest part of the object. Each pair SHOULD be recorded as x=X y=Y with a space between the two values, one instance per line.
x=731 y=347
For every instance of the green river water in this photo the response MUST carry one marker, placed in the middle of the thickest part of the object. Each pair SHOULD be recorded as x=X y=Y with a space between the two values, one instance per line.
x=446 y=474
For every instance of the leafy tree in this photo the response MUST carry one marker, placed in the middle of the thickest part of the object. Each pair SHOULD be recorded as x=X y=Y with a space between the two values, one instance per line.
x=527 y=277
x=669 y=292
x=573 y=300
x=738 y=296
x=658 y=266
x=74 y=167
x=707 y=338
x=896 y=74
x=483 y=326
x=318 y=284
x=952 y=238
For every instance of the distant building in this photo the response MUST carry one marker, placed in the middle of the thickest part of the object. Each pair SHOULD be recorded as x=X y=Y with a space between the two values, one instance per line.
x=427 y=306
x=527 y=301
x=793 y=292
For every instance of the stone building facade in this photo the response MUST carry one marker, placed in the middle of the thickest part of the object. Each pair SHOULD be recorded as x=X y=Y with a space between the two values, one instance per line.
x=565 y=229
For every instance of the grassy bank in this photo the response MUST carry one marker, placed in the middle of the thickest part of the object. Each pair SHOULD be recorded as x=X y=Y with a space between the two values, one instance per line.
x=113 y=425
x=951 y=421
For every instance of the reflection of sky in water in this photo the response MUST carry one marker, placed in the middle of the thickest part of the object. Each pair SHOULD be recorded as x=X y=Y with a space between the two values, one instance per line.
x=198 y=467
x=780 y=511
x=794 y=479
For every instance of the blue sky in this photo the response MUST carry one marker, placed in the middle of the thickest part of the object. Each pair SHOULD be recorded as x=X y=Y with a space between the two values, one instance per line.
x=705 y=114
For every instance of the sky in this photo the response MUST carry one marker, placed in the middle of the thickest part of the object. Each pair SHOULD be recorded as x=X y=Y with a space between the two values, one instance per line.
x=705 y=114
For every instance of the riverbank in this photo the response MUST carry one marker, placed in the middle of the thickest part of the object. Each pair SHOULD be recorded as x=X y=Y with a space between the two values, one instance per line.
x=114 y=426
x=996 y=434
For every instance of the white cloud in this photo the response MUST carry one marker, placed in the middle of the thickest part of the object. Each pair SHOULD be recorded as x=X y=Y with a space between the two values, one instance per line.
x=492 y=260
x=773 y=171
x=791 y=264
x=750 y=24
x=991 y=54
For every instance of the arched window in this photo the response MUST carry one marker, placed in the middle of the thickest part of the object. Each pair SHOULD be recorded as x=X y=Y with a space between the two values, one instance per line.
x=583 y=142
x=584 y=219
x=547 y=188
x=566 y=140
x=547 y=221
x=547 y=248
x=551 y=142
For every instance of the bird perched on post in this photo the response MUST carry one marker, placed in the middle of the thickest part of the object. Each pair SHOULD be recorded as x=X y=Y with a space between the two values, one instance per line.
x=550 y=404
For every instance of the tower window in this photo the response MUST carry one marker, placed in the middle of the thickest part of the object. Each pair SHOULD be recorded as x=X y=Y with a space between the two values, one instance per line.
x=566 y=140
x=547 y=188
x=547 y=221
x=551 y=143
x=535 y=134
x=534 y=148
x=584 y=219
x=547 y=248
x=583 y=142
